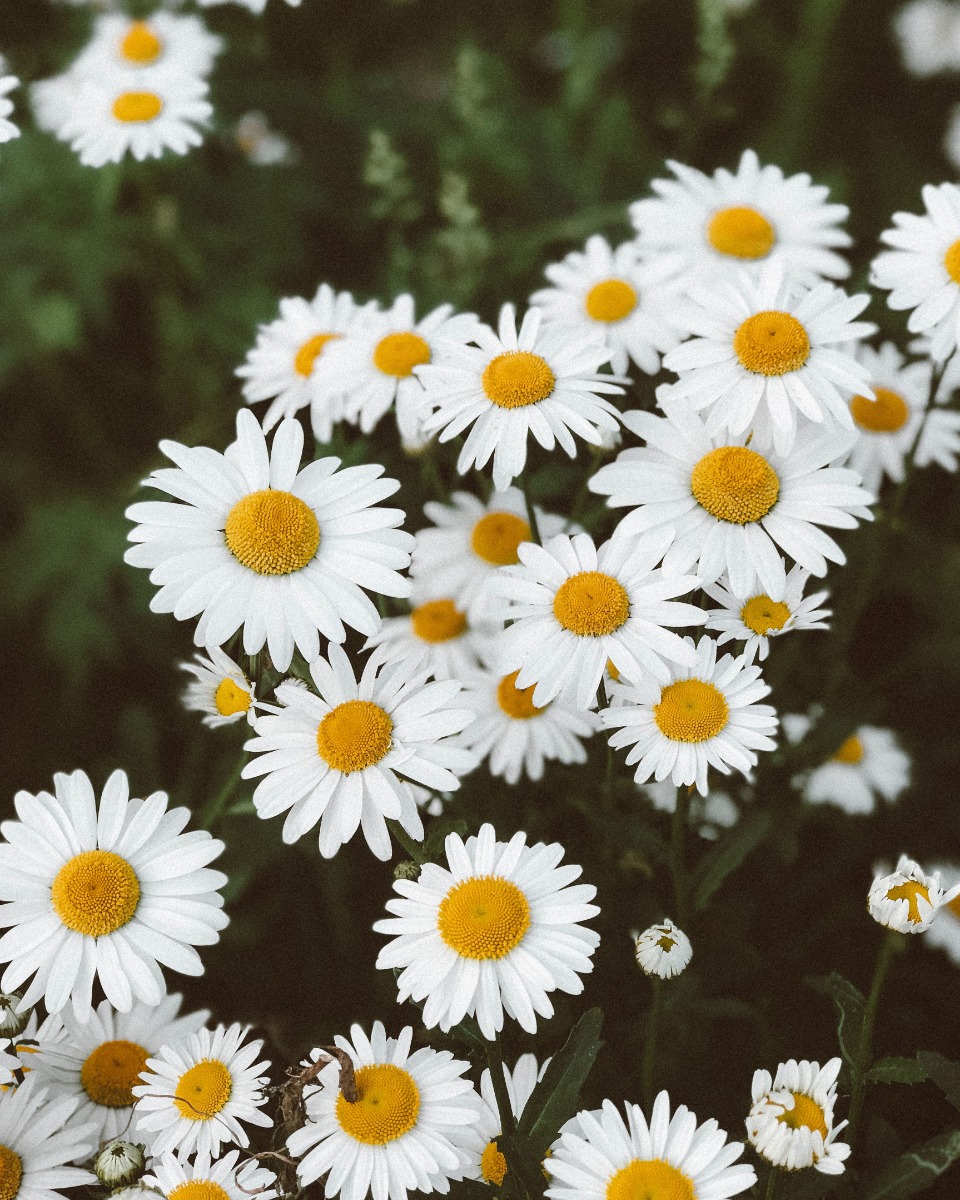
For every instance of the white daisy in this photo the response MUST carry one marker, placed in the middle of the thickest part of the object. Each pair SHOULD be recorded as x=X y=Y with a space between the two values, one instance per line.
x=206 y=1179
x=730 y=508
x=538 y=380
x=178 y=44
x=520 y=1084
x=575 y=607
x=870 y=763
x=663 y=950
x=199 y=1095
x=260 y=143
x=610 y=292
x=707 y=716
x=703 y=228
x=436 y=637
x=53 y=101
x=7 y=128
x=220 y=689
x=755 y=619
x=404 y=1131
x=929 y=35
x=791 y=1121
x=906 y=900
x=260 y=544
x=493 y=932
x=108 y=890
x=335 y=757
x=601 y=1156
x=37 y=1140
x=944 y=931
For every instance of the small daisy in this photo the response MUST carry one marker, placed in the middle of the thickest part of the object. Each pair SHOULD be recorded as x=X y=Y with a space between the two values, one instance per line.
x=575 y=607
x=520 y=1084
x=436 y=637
x=870 y=763
x=406 y=1130
x=929 y=35
x=179 y=44
x=106 y=891
x=197 y=1096
x=220 y=689
x=261 y=544
x=7 y=128
x=704 y=228
x=906 y=900
x=37 y=1140
x=791 y=1122
x=757 y=618
x=335 y=757
x=730 y=508
x=707 y=716
x=601 y=1156
x=610 y=292
x=206 y=1179
x=944 y=931
x=538 y=380
x=260 y=143
x=663 y=950
x=494 y=932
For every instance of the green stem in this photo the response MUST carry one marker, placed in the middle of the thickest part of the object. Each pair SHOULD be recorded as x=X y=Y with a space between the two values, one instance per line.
x=430 y=472
x=772 y=1180
x=910 y=463
x=650 y=1045
x=215 y=806
x=892 y=945
x=413 y=849
x=495 y=1063
x=678 y=828
x=531 y=511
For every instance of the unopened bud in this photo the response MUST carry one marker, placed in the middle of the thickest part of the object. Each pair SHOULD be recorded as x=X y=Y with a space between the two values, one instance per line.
x=119 y=1164
x=11 y=1021
x=406 y=870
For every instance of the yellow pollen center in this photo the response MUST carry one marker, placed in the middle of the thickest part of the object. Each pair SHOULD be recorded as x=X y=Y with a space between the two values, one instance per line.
x=735 y=484
x=483 y=917
x=610 y=301
x=761 y=614
x=517 y=378
x=95 y=893
x=888 y=413
x=649 y=1179
x=741 y=232
x=198 y=1189
x=851 y=752
x=912 y=892
x=517 y=702
x=11 y=1172
x=355 y=735
x=951 y=260
x=497 y=535
x=203 y=1090
x=953 y=906
x=137 y=107
x=140 y=44
x=310 y=351
x=398 y=353
x=805 y=1114
x=771 y=343
x=272 y=532
x=111 y=1071
x=231 y=698
x=691 y=710
x=493 y=1166
x=591 y=604
x=666 y=943
x=387 y=1106
x=438 y=621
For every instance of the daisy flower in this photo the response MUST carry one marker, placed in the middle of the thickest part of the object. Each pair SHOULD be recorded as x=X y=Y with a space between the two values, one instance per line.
x=929 y=35
x=539 y=380
x=494 y=931
x=520 y=1084
x=870 y=763
x=906 y=900
x=575 y=607
x=610 y=292
x=730 y=508
x=37 y=1141
x=757 y=618
x=260 y=544
x=663 y=950
x=7 y=128
x=120 y=1165
x=704 y=228
x=198 y=1095
x=54 y=101
x=336 y=757
x=209 y=1179
x=764 y=350
x=179 y=44
x=944 y=931
x=261 y=144
x=791 y=1122
x=602 y=1156
x=107 y=891
x=436 y=637
x=706 y=716
x=406 y=1130
x=220 y=689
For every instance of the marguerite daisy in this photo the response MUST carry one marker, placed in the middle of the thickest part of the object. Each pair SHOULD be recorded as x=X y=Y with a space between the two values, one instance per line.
x=791 y=1122
x=220 y=689
x=7 y=128
x=756 y=619
x=520 y=1083
x=178 y=44
x=906 y=900
x=210 y=1179
x=663 y=950
x=436 y=637
x=37 y=1140
x=870 y=763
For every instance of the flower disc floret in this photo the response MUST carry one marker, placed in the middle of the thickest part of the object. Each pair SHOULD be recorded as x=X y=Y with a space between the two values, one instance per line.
x=650 y=1179
x=272 y=532
x=203 y=1090
x=110 y=1072
x=741 y=232
x=493 y=1164
x=761 y=614
x=135 y=108
x=691 y=710
x=497 y=535
x=517 y=379
x=11 y=1173
x=230 y=698
x=355 y=735
x=771 y=343
x=912 y=891
x=517 y=702
x=95 y=893
x=886 y=414
x=438 y=621
x=387 y=1106
x=851 y=752
x=198 y=1189
x=591 y=604
x=140 y=44
x=951 y=261
x=484 y=917
x=398 y=353
x=610 y=300
x=805 y=1114
x=735 y=484
x=306 y=357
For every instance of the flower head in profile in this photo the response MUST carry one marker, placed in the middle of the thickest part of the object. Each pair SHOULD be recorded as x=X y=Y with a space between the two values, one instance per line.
x=906 y=900
x=756 y=619
x=791 y=1121
x=219 y=689
x=663 y=950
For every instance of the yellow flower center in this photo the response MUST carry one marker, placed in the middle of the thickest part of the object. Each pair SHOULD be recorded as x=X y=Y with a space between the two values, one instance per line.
x=438 y=621
x=691 y=710
x=851 y=752
x=888 y=413
x=137 y=107
x=517 y=378
x=805 y=1114
x=95 y=893
x=231 y=698
x=493 y=1166
x=591 y=604
x=497 y=535
x=272 y=532
x=387 y=1107
x=761 y=614
x=140 y=44
x=771 y=343
x=649 y=1179
x=610 y=301
x=111 y=1071
x=951 y=260
x=355 y=735
x=203 y=1090
x=517 y=702
x=11 y=1172
x=741 y=232
x=953 y=906
x=198 y=1189
x=483 y=917
x=735 y=484
x=310 y=351
x=666 y=943
x=912 y=892
x=398 y=353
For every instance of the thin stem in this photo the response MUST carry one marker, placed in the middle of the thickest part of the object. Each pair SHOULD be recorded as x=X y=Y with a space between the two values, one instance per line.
x=215 y=806
x=678 y=828
x=772 y=1180
x=892 y=945
x=910 y=463
x=531 y=511
x=413 y=849
x=650 y=1045
x=495 y=1063
x=430 y=472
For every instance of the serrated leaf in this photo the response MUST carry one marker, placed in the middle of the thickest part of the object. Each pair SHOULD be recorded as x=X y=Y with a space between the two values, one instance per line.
x=556 y=1096
x=850 y=1009
x=897 y=1070
x=729 y=853
x=915 y=1170
x=944 y=1073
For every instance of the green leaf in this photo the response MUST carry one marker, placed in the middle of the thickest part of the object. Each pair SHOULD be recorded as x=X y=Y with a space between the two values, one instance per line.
x=556 y=1096
x=897 y=1070
x=944 y=1073
x=524 y=1179
x=850 y=1008
x=729 y=853
x=915 y=1170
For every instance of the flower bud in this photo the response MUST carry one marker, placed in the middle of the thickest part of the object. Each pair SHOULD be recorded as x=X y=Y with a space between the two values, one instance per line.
x=11 y=1021
x=663 y=950
x=406 y=870
x=119 y=1164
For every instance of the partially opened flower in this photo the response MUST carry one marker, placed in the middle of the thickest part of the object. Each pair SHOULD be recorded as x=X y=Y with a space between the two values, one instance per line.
x=38 y=1138
x=220 y=689
x=663 y=950
x=756 y=619
x=791 y=1121
x=209 y=1178
x=906 y=900
x=869 y=764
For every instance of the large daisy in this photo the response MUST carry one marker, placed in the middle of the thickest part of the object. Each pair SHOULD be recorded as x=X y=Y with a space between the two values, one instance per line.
x=791 y=1121
x=210 y=1179
x=139 y=48
x=38 y=1138
x=520 y=1083
x=258 y=543
x=757 y=618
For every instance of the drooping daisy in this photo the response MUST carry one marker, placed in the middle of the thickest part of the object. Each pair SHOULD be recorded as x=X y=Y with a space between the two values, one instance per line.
x=757 y=618
x=538 y=380
x=906 y=900
x=575 y=607
x=336 y=757
x=870 y=763
x=436 y=637
x=258 y=543
x=520 y=1083
x=929 y=35
x=732 y=509
x=944 y=931
x=707 y=716
x=705 y=228
x=220 y=689
x=209 y=1179
x=601 y=1156
x=37 y=1141
x=406 y=1129
x=602 y=290
x=199 y=1095
x=493 y=932
x=663 y=950
x=168 y=42
x=109 y=890
x=7 y=83
x=791 y=1122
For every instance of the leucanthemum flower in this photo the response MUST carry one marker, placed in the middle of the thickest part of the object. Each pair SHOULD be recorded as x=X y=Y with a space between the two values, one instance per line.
x=791 y=1121
x=436 y=637
x=663 y=950
x=494 y=931
x=107 y=891
x=944 y=931
x=602 y=1156
x=538 y=380
x=407 y=1129
x=706 y=716
x=7 y=83
x=178 y=44
x=261 y=544
x=198 y=1095
x=756 y=619
x=906 y=900
x=211 y=1179
x=220 y=689
x=870 y=763
x=38 y=1138
x=520 y=1084
x=336 y=757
